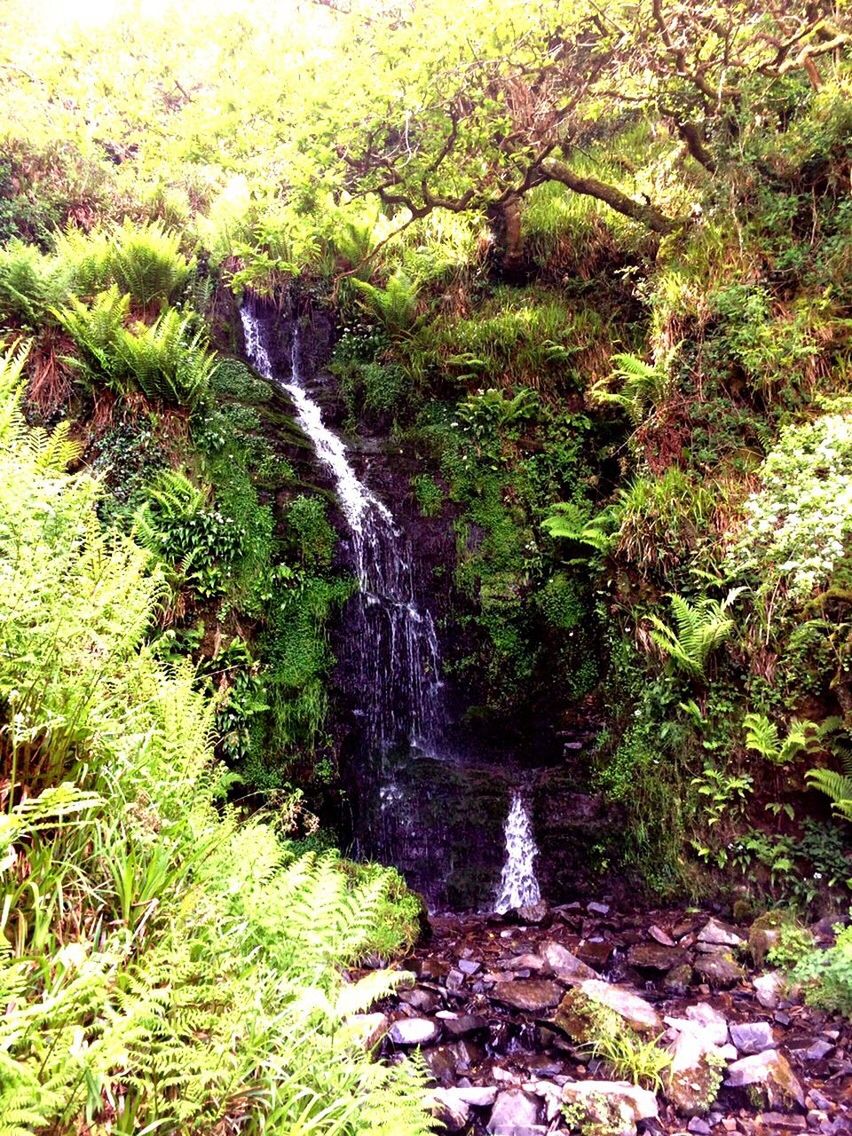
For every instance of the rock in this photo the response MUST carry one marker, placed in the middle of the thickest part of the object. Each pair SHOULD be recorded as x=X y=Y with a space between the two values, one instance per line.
x=679 y=980
x=468 y=966
x=515 y=1113
x=710 y=1020
x=752 y=1037
x=595 y=952
x=719 y=934
x=533 y=995
x=565 y=965
x=764 y=933
x=463 y=1024
x=522 y=962
x=614 y=1107
x=455 y=981
x=784 y=1121
x=699 y=1126
x=535 y=913
x=598 y=908
x=637 y=1013
x=693 y=1079
x=468 y=1054
x=423 y=1000
x=818 y=1051
x=442 y=1063
x=433 y=968
x=655 y=956
x=768 y=988
x=771 y=1074
x=478 y=1097
x=660 y=936
x=369 y=1028
x=414 y=1031
x=719 y=969
x=452 y=1111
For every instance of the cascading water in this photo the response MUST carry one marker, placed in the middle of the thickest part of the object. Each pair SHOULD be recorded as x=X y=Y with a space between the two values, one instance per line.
x=398 y=656
x=518 y=883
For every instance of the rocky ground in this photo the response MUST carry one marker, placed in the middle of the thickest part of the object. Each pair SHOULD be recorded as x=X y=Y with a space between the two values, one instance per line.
x=500 y=1010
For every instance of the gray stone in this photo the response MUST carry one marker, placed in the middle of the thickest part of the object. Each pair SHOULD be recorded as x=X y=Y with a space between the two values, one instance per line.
x=770 y=1072
x=719 y=969
x=782 y=1120
x=565 y=965
x=423 y=1000
x=711 y=1020
x=468 y=966
x=598 y=908
x=768 y=989
x=533 y=995
x=635 y=1010
x=478 y=1097
x=442 y=1062
x=752 y=1037
x=446 y=1106
x=515 y=1113
x=655 y=956
x=534 y=912
x=720 y=934
x=699 y=1126
x=693 y=1079
x=522 y=962
x=414 y=1031
x=660 y=936
x=615 y=1107
x=679 y=980
x=460 y=1025
x=818 y=1051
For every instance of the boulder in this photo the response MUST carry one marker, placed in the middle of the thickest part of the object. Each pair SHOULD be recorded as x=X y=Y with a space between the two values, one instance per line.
x=719 y=934
x=522 y=962
x=564 y=965
x=614 y=1107
x=752 y=1037
x=460 y=1025
x=714 y=1024
x=655 y=956
x=693 y=1079
x=414 y=1031
x=769 y=988
x=515 y=1113
x=476 y=1096
x=636 y=1011
x=719 y=969
x=532 y=995
x=772 y=1078
x=679 y=980
x=452 y=1111
x=535 y=913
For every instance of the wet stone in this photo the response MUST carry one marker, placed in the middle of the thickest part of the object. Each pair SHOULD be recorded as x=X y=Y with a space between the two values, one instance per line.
x=533 y=995
x=655 y=956
x=565 y=965
x=771 y=1074
x=463 y=1024
x=719 y=969
x=414 y=1031
x=595 y=952
x=752 y=1037
x=515 y=1113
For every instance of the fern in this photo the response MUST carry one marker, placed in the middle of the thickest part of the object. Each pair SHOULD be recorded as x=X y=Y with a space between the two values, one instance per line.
x=147 y=262
x=699 y=630
x=395 y=304
x=568 y=521
x=762 y=737
x=643 y=386
x=837 y=786
x=168 y=361
x=97 y=328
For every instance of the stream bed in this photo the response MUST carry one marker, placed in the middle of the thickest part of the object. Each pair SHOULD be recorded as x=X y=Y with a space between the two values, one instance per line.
x=496 y=1006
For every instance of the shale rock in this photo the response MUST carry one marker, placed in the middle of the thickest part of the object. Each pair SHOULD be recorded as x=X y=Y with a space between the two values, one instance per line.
x=414 y=1031
x=770 y=1074
x=769 y=988
x=752 y=1037
x=719 y=969
x=614 y=1107
x=719 y=934
x=655 y=956
x=636 y=1011
x=515 y=1113
x=446 y=1106
x=532 y=995
x=564 y=965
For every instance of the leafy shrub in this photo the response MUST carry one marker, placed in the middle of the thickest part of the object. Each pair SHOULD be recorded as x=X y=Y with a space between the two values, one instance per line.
x=699 y=629
x=395 y=304
x=428 y=494
x=313 y=535
x=96 y=328
x=827 y=975
x=29 y=284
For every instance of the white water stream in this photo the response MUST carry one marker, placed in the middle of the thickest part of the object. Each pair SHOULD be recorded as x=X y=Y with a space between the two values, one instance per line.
x=518 y=883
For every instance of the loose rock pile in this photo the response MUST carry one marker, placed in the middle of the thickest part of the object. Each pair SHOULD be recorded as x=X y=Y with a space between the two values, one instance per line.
x=494 y=1011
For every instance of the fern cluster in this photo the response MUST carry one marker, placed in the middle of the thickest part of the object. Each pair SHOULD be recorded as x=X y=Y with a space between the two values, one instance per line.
x=163 y=965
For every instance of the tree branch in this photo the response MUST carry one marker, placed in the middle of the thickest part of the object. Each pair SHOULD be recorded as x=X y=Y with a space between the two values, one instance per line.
x=647 y=215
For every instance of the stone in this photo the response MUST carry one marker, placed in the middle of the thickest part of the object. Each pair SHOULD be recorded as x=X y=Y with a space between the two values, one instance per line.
x=442 y=1061
x=614 y=1107
x=423 y=1000
x=565 y=965
x=769 y=988
x=655 y=956
x=414 y=1031
x=693 y=1079
x=771 y=1075
x=468 y=966
x=533 y=995
x=515 y=1113
x=369 y=1028
x=478 y=1097
x=522 y=962
x=594 y=908
x=698 y=1125
x=455 y=981
x=636 y=1011
x=595 y=952
x=784 y=1121
x=660 y=936
x=534 y=913
x=679 y=980
x=433 y=968
x=752 y=1037
x=719 y=934
x=460 y=1025
x=719 y=969
x=764 y=934
x=818 y=1051
x=711 y=1020
x=453 y=1112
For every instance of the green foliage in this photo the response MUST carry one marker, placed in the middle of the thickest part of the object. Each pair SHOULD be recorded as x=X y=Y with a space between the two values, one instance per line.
x=762 y=736
x=313 y=536
x=428 y=494
x=192 y=965
x=169 y=362
x=97 y=328
x=699 y=630
x=827 y=975
x=395 y=304
x=627 y=1055
x=836 y=786
x=28 y=284
x=643 y=386
x=491 y=411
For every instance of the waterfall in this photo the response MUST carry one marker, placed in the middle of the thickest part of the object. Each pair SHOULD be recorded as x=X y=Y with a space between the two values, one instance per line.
x=518 y=883
x=397 y=655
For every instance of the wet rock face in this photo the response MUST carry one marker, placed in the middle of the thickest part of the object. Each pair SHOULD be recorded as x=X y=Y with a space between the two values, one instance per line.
x=496 y=1001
